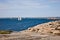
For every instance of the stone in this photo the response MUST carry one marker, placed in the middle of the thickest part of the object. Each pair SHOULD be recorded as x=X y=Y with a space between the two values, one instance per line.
x=58 y=28
x=56 y=32
x=50 y=27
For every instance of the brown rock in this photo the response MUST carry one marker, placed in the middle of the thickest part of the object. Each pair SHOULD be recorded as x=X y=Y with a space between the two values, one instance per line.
x=56 y=32
x=58 y=28
x=50 y=27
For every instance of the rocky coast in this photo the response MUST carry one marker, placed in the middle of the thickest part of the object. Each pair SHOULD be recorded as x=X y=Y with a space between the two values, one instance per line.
x=46 y=31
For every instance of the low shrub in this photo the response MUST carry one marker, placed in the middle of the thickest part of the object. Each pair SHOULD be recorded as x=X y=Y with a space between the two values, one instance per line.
x=5 y=32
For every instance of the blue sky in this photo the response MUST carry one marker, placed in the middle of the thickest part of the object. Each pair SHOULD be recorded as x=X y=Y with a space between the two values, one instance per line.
x=29 y=8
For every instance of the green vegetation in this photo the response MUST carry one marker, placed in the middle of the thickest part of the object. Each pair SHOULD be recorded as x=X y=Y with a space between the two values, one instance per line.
x=5 y=32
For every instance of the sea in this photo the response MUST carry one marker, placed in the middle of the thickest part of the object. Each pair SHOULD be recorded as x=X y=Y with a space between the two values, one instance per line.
x=14 y=24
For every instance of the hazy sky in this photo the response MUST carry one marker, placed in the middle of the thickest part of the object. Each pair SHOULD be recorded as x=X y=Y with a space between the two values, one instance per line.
x=29 y=8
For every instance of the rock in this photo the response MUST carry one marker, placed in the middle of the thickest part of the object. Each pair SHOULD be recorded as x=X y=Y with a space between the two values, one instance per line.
x=32 y=30
x=50 y=27
x=56 y=32
x=58 y=28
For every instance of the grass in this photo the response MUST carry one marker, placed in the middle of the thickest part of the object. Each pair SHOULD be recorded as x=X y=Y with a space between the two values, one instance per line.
x=5 y=32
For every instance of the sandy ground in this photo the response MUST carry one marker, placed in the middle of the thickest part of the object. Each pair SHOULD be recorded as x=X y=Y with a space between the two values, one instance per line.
x=28 y=36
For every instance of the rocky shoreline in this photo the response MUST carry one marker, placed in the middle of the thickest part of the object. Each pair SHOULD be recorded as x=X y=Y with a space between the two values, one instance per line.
x=46 y=31
x=47 y=28
x=50 y=27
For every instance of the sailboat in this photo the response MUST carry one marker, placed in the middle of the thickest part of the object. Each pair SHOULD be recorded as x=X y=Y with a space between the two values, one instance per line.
x=19 y=18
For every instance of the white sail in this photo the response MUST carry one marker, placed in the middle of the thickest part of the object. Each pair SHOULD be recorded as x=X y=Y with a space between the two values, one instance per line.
x=19 y=18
